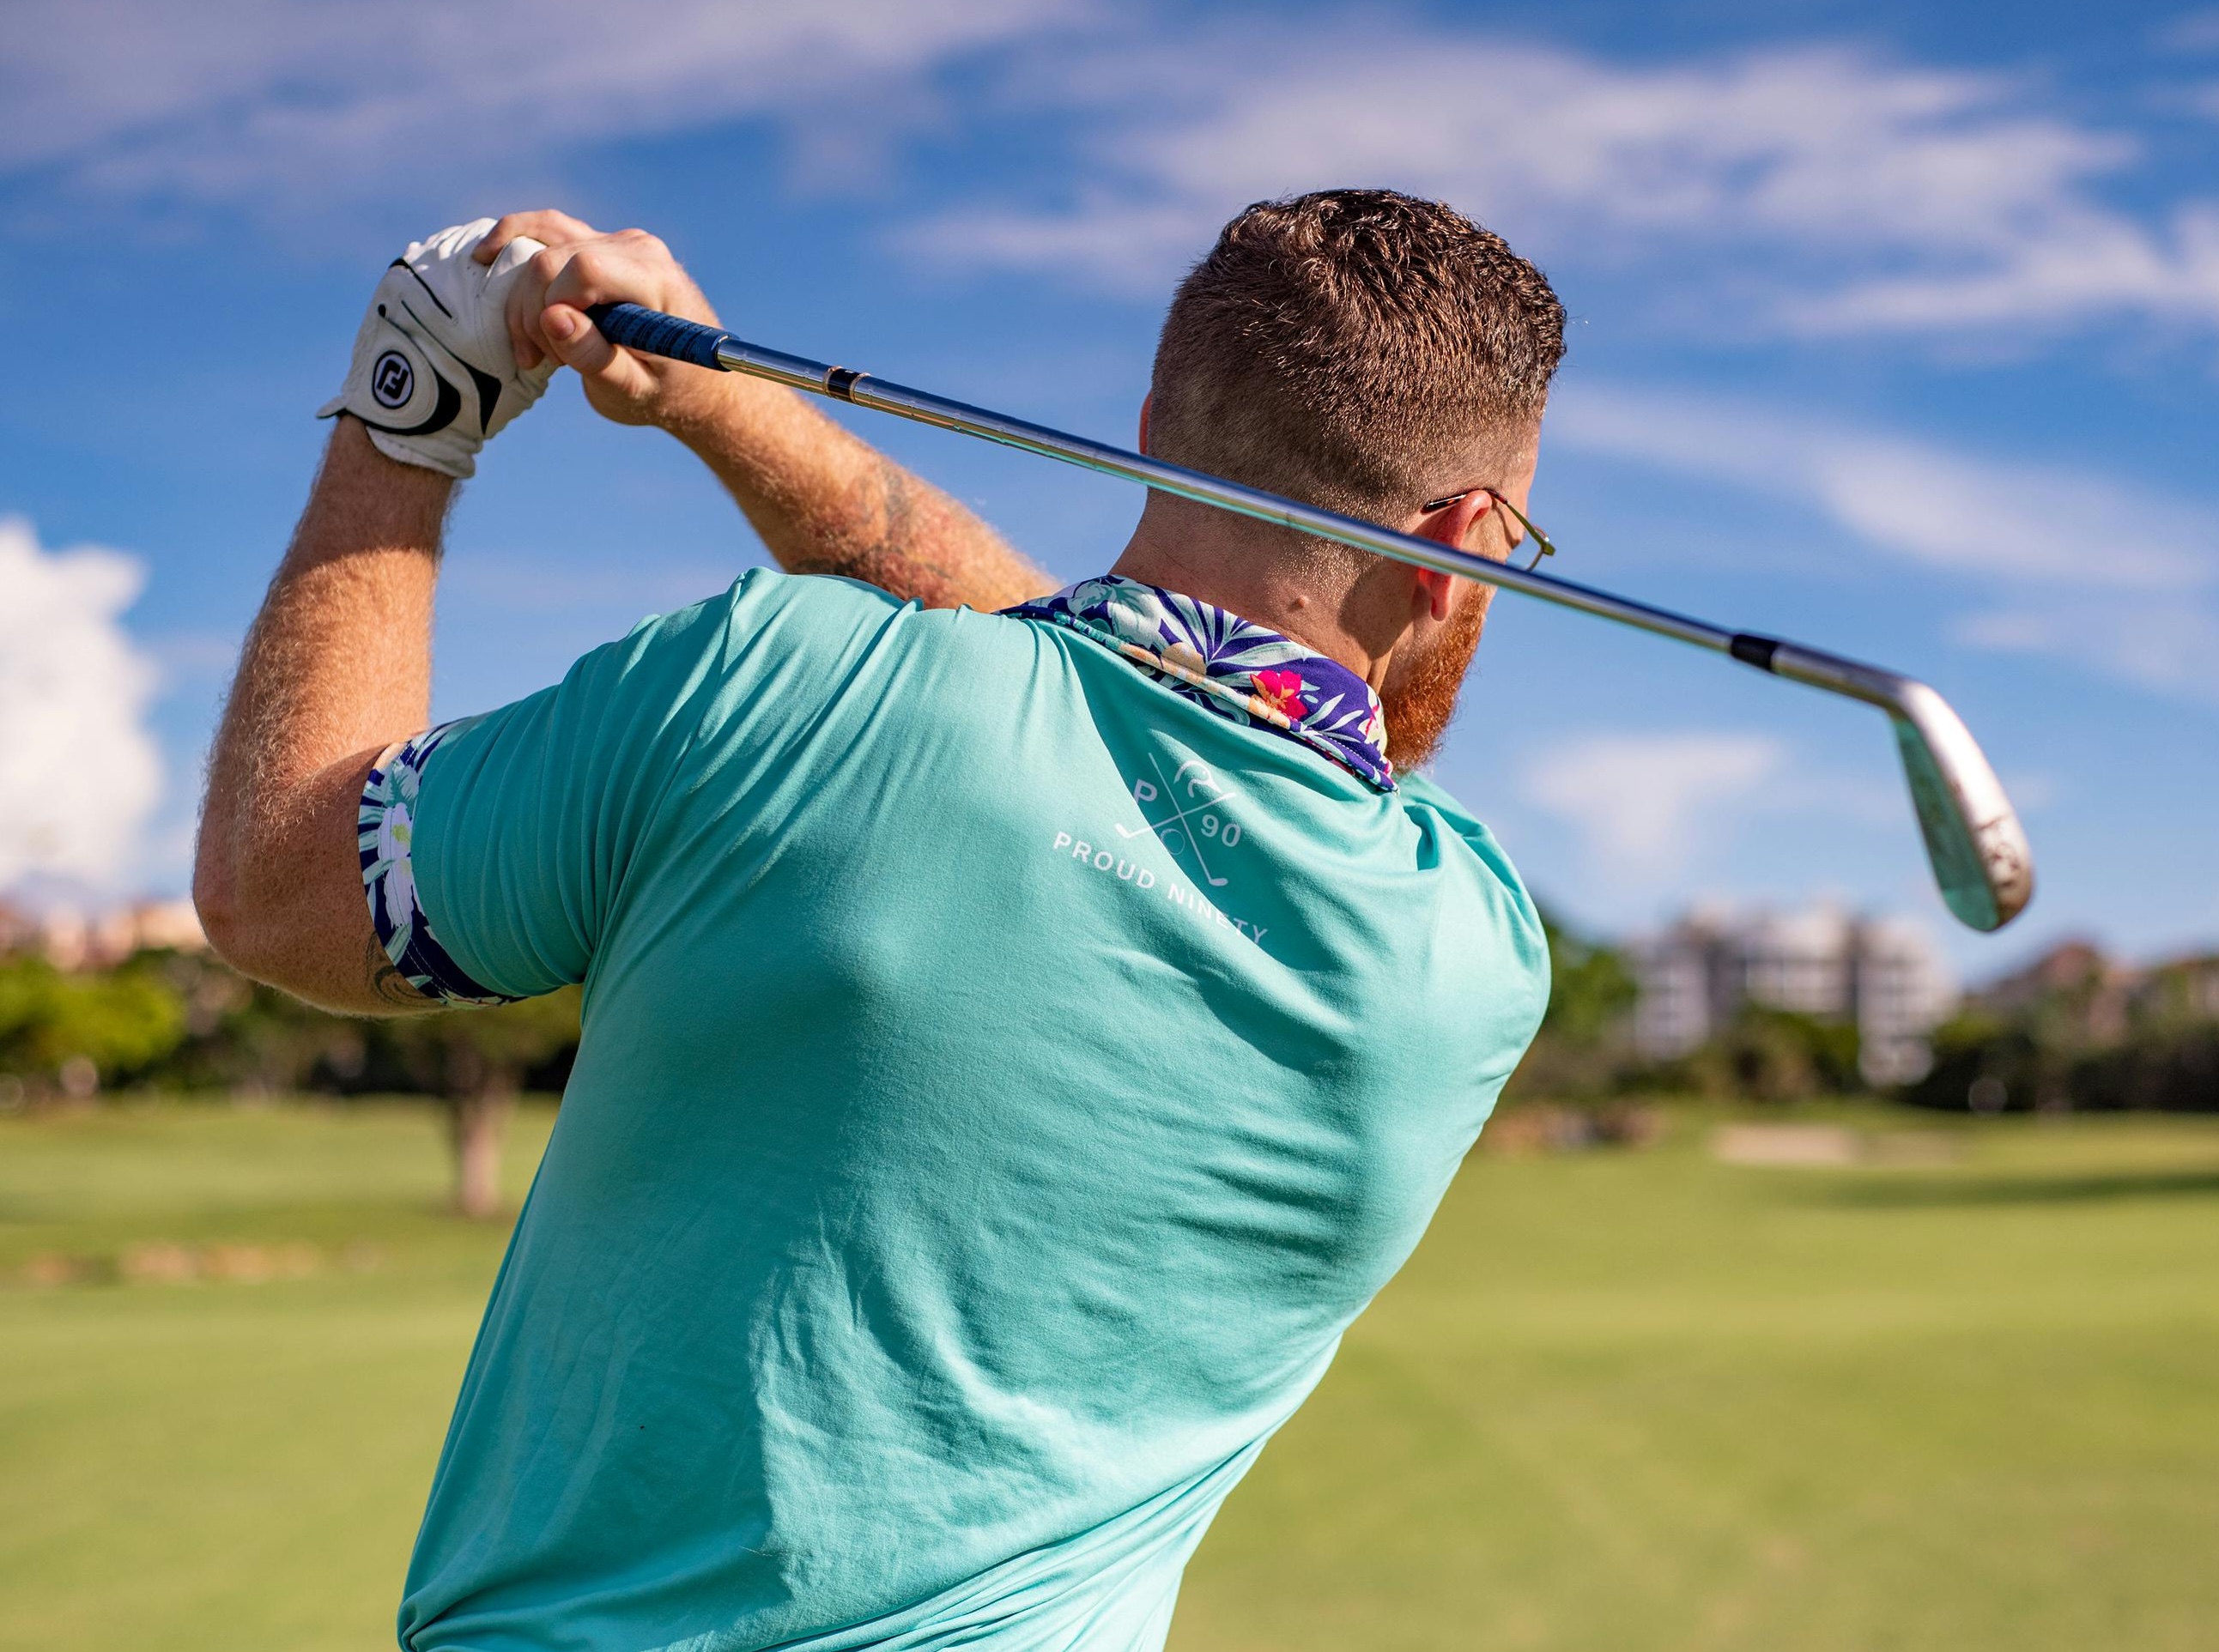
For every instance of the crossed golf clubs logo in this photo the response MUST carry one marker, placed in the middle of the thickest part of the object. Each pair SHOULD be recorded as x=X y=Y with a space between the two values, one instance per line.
x=1203 y=819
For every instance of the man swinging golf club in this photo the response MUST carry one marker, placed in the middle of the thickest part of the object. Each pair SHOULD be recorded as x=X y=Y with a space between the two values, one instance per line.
x=1016 y=1043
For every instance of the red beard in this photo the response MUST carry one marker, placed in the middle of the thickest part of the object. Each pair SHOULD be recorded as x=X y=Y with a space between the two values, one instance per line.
x=1419 y=698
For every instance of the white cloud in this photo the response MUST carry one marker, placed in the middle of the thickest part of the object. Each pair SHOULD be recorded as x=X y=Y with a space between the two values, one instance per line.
x=2170 y=647
x=2194 y=31
x=2080 y=263
x=2065 y=562
x=1638 y=800
x=1819 y=189
x=300 y=100
x=80 y=772
x=1882 y=196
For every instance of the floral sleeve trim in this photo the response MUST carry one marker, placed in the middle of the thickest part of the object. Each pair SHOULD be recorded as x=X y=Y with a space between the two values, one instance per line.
x=386 y=838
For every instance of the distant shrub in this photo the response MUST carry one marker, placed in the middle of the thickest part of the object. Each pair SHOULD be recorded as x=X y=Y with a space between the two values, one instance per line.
x=2035 y=1063
x=1767 y=1055
x=55 y=1026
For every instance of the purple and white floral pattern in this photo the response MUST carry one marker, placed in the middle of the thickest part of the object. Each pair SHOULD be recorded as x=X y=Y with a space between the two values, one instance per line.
x=1238 y=669
x=385 y=836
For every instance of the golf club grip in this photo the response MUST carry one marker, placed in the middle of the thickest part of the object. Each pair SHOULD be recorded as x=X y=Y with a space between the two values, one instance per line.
x=636 y=327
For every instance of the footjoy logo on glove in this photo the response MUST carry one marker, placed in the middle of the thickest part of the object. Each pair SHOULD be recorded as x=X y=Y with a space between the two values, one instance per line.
x=392 y=380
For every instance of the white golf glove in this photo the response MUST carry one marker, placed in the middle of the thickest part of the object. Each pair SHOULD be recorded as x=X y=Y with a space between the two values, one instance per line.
x=434 y=376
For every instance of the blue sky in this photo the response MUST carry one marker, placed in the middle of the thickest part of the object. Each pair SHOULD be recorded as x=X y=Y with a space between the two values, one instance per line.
x=1896 y=331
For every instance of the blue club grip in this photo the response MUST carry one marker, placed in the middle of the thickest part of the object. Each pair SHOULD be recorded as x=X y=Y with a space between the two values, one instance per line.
x=636 y=327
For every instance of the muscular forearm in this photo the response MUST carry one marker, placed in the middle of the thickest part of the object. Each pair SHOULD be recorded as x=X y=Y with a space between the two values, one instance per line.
x=337 y=666
x=826 y=503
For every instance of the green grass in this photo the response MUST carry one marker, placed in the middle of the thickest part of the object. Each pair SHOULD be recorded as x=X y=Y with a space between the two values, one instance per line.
x=224 y=1465
x=1618 y=1400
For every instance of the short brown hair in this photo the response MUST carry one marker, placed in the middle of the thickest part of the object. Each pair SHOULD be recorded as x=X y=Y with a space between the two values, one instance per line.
x=1341 y=347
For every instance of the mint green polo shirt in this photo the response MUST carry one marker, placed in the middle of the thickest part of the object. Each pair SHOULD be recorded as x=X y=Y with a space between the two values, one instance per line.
x=1002 y=1081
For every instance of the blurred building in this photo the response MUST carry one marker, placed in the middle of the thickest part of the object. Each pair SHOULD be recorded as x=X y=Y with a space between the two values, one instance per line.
x=1886 y=975
x=72 y=940
x=2196 y=980
x=2097 y=999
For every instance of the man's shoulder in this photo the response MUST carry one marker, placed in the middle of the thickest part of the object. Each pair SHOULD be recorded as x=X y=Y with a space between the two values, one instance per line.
x=1498 y=877
x=780 y=624
x=776 y=649
x=1423 y=791
x=1422 y=794
x=805 y=607
x=762 y=594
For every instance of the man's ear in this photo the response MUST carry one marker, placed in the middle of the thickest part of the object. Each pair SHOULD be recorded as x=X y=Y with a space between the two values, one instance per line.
x=1145 y=401
x=1449 y=526
x=1430 y=593
x=1452 y=524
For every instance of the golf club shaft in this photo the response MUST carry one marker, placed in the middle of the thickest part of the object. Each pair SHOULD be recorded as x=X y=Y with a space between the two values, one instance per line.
x=1974 y=844
x=651 y=330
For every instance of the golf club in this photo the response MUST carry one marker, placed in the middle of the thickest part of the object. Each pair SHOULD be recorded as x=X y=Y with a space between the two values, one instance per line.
x=1974 y=843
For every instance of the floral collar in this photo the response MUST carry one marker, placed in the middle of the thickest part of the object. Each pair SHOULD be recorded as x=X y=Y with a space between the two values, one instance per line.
x=1239 y=670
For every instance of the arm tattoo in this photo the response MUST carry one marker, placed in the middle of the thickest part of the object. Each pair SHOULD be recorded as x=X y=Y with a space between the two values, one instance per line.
x=887 y=528
x=389 y=983
x=883 y=537
x=898 y=508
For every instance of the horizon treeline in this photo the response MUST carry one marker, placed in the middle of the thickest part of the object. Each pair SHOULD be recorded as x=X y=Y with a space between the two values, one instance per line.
x=2073 y=1034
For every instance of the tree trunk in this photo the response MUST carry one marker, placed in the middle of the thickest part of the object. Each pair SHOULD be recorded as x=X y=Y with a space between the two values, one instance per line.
x=478 y=1124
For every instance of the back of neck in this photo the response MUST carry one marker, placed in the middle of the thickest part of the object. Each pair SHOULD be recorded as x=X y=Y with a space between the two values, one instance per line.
x=1244 y=576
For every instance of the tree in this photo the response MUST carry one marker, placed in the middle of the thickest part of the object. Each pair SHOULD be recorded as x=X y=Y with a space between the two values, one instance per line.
x=1777 y=1055
x=1581 y=1048
x=477 y=1061
x=82 y=1030
x=187 y=1021
x=249 y=1039
x=2043 y=1051
x=1591 y=992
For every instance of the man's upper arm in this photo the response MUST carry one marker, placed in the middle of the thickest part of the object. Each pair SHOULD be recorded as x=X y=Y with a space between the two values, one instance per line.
x=491 y=849
x=497 y=851
x=315 y=938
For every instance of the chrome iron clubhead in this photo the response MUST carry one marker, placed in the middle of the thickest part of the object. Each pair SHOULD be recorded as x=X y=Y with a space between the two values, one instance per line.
x=1981 y=860
x=1979 y=851
x=1974 y=844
